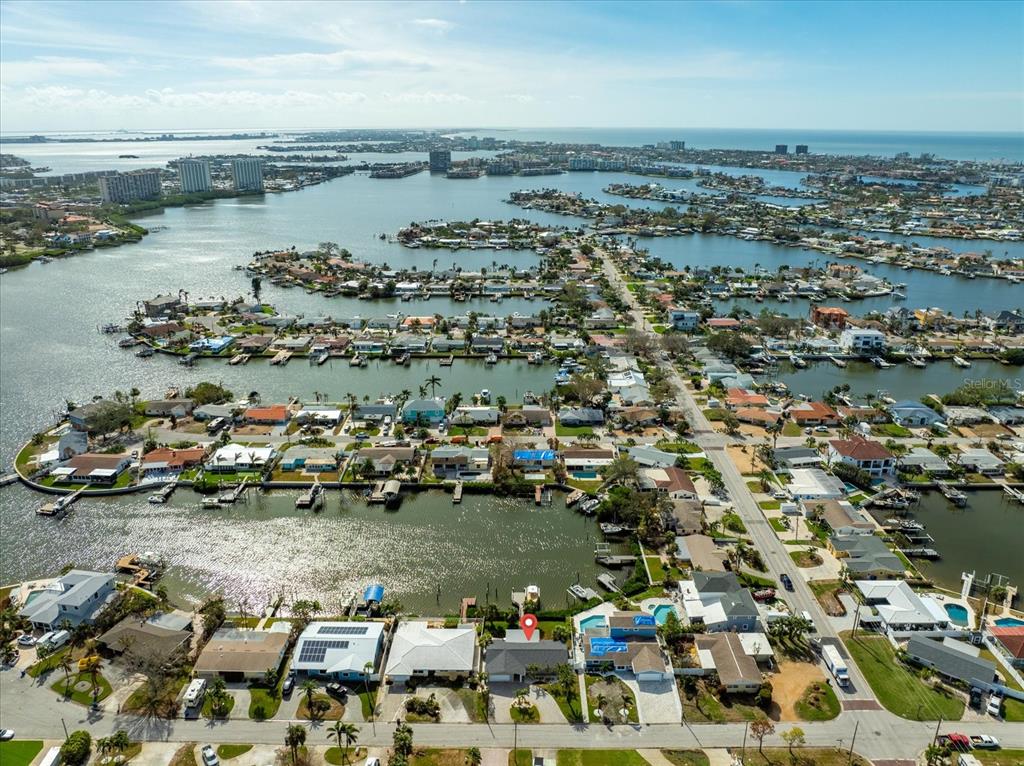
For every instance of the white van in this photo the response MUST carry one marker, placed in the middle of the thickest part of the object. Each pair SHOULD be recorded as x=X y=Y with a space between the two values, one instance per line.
x=807 y=616
x=57 y=640
x=195 y=693
x=44 y=640
x=52 y=757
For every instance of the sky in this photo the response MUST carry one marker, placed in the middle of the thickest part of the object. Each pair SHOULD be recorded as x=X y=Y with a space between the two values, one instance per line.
x=220 y=64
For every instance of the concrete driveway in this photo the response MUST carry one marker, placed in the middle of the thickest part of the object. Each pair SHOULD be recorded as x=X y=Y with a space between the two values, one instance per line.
x=656 y=702
x=502 y=696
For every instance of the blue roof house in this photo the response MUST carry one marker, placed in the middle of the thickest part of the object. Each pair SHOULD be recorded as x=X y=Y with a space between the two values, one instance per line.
x=427 y=411
x=534 y=458
x=911 y=414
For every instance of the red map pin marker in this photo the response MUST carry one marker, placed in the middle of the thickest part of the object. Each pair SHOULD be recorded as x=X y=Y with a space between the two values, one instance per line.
x=528 y=623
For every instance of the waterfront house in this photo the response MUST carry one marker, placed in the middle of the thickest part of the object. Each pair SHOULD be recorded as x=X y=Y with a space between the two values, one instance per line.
x=573 y=417
x=953 y=660
x=273 y=415
x=296 y=344
x=213 y=411
x=724 y=655
x=533 y=415
x=309 y=459
x=242 y=655
x=865 y=454
x=1010 y=322
x=344 y=651
x=899 y=609
x=76 y=597
x=484 y=344
x=382 y=461
x=423 y=411
x=420 y=651
x=718 y=601
x=838 y=517
x=376 y=412
x=452 y=462
x=166 y=408
x=814 y=484
x=1006 y=415
x=856 y=340
x=979 y=460
x=148 y=641
x=632 y=624
x=469 y=415
x=408 y=342
x=866 y=556
x=369 y=346
x=167 y=462
x=534 y=459
x=233 y=458
x=69 y=444
x=652 y=457
x=447 y=345
x=911 y=414
x=214 y=345
x=162 y=306
x=701 y=552
x=965 y=416
x=737 y=398
x=587 y=459
x=670 y=480
x=513 y=658
x=923 y=460
x=1010 y=641
x=319 y=416
x=79 y=417
x=829 y=317
x=91 y=468
x=806 y=414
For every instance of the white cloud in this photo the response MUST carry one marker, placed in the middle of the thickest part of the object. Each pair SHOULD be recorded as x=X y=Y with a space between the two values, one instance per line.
x=298 y=63
x=43 y=68
x=438 y=25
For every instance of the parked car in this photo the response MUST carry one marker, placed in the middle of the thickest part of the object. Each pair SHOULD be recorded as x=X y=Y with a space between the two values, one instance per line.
x=6 y=735
x=372 y=761
x=26 y=639
x=984 y=742
x=288 y=685
x=786 y=581
x=210 y=756
x=975 y=698
x=821 y=430
x=337 y=690
x=995 y=705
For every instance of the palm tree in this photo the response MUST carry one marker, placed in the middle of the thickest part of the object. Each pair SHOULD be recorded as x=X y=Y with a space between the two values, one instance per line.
x=66 y=664
x=344 y=731
x=473 y=757
x=295 y=738
x=600 y=702
x=309 y=687
x=433 y=381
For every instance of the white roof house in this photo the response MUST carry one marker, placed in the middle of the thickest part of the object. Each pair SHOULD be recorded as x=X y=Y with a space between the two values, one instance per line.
x=232 y=457
x=900 y=608
x=419 y=650
x=339 y=649
x=814 y=484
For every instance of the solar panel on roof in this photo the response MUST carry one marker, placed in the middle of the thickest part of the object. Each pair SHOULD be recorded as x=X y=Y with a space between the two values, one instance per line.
x=315 y=651
x=342 y=630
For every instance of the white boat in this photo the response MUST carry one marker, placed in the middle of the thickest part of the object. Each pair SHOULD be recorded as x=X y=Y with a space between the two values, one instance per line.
x=918 y=362
x=959 y=361
x=896 y=296
x=880 y=363
x=797 y=361
x=485 y=396
x=491 y=359
x=210 y=502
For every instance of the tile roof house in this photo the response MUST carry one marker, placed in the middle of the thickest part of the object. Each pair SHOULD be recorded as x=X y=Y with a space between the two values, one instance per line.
x=420 y=650
x=673 y=481
x=164 y=460
x=78 y=597
x=865 y=454
x=813 y=414
x=1011 y=640
x=276 y=414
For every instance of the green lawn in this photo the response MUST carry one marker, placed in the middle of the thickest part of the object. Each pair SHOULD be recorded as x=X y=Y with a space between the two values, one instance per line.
x=777 y=524
x=520 y=758
x=570 y=706
x=50 y=663
x=82 y=696
x=997 y=758
x=19 y=752
x=734 y=523
x=818 y=703
x=229 y=704
x=561 y=430
x=891 y=429
x=896 y=686
x=770 y=505
x=791 y=429
x=232 y=751
x=525 y=714
x=686 y=757
x=600 y=758
x=263 y=702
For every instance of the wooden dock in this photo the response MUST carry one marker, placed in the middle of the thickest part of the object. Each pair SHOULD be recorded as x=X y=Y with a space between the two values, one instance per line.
x=59 y=506
x=448 y=361
x=1013 y=494
x=952 y=494
x=8 y=478
x=281 y=358
x=457 y=494
x=311 y=496
x=615 y=562
x=538 y=494
x=574 y=497
x=233 y=495
x=377 y=495
x=163 y=494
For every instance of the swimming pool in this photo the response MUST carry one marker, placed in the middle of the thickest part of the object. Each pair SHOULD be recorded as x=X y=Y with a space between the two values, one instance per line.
x=1010 y=622
x=584 y=474
x=594 y=621
x=662 y=611
x=957 y=613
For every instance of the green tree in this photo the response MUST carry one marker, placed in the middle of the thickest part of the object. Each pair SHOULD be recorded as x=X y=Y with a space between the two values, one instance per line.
x=347 y=732
x=294 y=738
x=794 y=736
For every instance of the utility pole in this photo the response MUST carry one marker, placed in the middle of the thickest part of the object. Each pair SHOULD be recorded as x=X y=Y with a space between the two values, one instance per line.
x=936 y=737
x=856 y=621
x=856 y=726
x=66 y=735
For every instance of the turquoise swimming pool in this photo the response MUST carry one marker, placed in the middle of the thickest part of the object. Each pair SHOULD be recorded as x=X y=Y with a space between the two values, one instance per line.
x=957 y=613
x=662 y=611
x=1010 y=622
x=594 y=621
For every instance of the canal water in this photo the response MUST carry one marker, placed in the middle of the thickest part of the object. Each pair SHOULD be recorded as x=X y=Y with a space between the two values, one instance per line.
x=429 y=553
x=985 y=537
x=52 y=351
